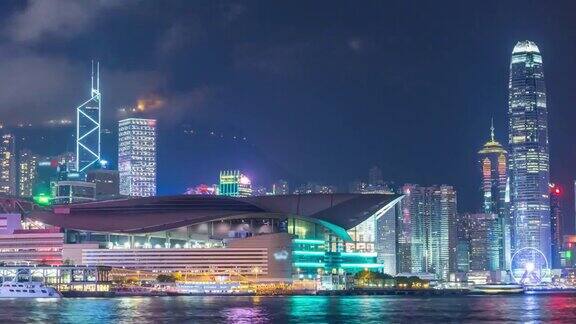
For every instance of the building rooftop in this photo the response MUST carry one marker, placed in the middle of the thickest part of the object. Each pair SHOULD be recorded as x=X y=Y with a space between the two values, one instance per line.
x=338 y=212
x=525 y=47
x=492 y=146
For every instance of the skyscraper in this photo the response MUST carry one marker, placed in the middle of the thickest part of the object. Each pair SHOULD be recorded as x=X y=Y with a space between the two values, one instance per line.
x=412 y=237
x=441 y=244
x=88 y=126
x=429 y=211
x=137 y=157
x=375 y=176
x=7 y=165
x=556 y=223
x=481 y=240
x=280 y=187
x=494 y=170
x=409 y=255
x=387 y=240
x=107 y=183
x=528 y=145
x=234 y=184
x=463 y=232
x=27 y=170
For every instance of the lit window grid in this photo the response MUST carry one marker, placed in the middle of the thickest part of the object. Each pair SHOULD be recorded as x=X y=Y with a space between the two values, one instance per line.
x=137 y=157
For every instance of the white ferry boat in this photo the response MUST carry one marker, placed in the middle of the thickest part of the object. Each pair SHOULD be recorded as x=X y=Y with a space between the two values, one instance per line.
x=14 y=289
x=498 y=289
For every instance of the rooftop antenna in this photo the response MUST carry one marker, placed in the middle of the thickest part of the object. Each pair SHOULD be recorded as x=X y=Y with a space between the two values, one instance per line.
x=492 y=128
x=98 y=76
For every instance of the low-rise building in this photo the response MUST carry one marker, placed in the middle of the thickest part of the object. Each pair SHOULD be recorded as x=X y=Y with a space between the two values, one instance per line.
x=267 y=237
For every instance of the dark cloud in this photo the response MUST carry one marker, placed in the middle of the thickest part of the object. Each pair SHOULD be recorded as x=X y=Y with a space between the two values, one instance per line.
x=37 y=79
x=36 y=88
x=278 y=59
x=60 y=19
x=326 y=88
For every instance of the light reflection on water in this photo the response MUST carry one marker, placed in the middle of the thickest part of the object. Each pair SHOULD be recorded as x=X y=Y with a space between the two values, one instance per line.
x=297 y=309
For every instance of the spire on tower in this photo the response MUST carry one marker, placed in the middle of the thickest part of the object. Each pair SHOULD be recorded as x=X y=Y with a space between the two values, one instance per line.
x=492 y=129
x=92 y=76
x=95 y=86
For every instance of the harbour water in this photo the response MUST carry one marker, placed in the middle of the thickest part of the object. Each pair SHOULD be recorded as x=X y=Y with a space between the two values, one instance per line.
x=294 y=309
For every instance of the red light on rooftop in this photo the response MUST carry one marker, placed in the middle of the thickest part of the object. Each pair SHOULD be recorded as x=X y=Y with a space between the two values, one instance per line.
x=557 y=191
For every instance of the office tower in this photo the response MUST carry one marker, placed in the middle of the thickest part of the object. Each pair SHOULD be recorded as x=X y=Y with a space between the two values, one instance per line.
x=556 y=223
x=7 y=165
x=528 y=145
x=27 y=173
x=69 y=192
x=462 y=234
x=234 y=184
x=137 y=157
x=46 y=174
x=107 y=183
x=375 y=184
x=494 y=171
x=403 y=238
x=568 y=253
x=481 y=236
x=375 y=176
x=387 y=240
x=429 y=211
x=441 y=245
x=88 y=126
x=412 y=236
x=280 y=187
x=408 y=210
x=463 y=256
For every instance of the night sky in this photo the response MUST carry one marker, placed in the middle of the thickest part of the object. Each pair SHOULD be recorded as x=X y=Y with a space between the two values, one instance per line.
x=321 y=90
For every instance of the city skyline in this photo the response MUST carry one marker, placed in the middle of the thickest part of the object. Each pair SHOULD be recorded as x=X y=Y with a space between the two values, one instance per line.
x=358 y=162
x=214 y=82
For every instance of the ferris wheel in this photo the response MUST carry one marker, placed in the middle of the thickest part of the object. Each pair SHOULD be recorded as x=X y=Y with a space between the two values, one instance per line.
x=529 y=266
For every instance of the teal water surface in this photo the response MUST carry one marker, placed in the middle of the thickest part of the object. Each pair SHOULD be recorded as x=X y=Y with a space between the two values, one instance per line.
x=296 y=309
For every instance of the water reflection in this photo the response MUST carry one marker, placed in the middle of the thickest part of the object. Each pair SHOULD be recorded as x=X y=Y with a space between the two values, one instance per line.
x=297 y=309
x=308 y=309
x=245 y=315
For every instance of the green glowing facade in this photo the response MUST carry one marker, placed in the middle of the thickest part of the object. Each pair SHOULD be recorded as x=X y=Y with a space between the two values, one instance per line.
x=234 y=184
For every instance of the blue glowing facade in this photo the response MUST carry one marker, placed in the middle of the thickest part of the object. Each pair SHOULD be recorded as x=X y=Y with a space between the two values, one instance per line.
x=88 y=126
x=528 y=146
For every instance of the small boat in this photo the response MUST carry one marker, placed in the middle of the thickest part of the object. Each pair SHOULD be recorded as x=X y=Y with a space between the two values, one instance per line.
x=29 y=289
x=497 y=289
x=207 y=288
